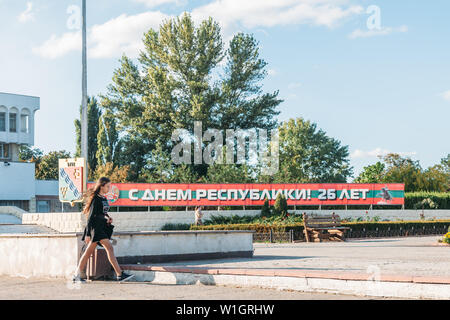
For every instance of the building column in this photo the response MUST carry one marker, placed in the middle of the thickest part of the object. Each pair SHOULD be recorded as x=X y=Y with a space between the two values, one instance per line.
x=33 y=205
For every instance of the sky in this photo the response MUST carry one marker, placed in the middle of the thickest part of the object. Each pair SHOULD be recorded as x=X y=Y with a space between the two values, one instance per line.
x=372 y=74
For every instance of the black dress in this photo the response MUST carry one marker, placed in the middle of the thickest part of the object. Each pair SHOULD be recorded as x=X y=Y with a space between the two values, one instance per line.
x=97 y=227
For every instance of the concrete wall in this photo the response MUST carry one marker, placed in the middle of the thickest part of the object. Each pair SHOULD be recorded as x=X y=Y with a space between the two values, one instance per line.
x=174 y=245
x=15 y=211
x=62 y=222
x=124 y=221
x=43 y=255
x=17 y=181
x=19 y=104
x=57 y=255
x=155 y=220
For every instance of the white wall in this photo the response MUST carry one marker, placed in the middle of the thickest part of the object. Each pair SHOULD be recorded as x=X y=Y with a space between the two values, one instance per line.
x=124 y=221
x=14 y=211
x=181 y=242
x=17 y=181
x=57 y=255
x=155 y=220
x=22 y=105
x=46 y=187
x=45 y=255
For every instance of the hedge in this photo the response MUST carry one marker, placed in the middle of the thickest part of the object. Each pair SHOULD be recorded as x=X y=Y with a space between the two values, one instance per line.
x=442 y=199
x=355 y=226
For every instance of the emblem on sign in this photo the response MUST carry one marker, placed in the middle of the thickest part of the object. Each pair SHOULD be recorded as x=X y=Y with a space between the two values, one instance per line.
x=113 y=195
x=71 y=180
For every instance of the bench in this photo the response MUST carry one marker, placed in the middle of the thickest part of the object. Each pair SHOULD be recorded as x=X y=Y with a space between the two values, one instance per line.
x=318 y=228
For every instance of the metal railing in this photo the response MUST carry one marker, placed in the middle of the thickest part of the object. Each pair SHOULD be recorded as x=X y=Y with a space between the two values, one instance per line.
x=299 y=236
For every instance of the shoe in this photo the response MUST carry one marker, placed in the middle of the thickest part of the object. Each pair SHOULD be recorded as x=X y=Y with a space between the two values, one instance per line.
x=77 y=278
x=124 y=277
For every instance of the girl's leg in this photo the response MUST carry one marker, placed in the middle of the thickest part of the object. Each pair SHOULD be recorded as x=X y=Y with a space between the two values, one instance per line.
x=111 y=257
x=84 y=258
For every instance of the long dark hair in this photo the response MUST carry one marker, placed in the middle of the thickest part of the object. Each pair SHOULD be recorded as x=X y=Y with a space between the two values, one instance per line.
x=89 y=195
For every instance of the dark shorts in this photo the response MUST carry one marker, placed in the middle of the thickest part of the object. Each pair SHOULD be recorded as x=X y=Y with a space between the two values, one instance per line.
x=98 y=230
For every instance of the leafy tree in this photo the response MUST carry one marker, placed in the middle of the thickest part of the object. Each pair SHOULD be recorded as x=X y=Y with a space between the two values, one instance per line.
x=398 y=169
x=30 y=154
x=108 y=142
x=371 y=174
x=115 y=173
x=280 y=207
x=49 y=164
x=179 y=80
x=265 y=210
x=307 y=154
x=445 y=163
x=93 y=114
x=228 y=173
x=161 y=169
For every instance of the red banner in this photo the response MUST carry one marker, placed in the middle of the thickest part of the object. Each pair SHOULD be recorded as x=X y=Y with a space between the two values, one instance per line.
x=149 y=194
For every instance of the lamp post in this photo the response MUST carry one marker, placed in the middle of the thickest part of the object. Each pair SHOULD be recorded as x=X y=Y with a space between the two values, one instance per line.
x=84 y=122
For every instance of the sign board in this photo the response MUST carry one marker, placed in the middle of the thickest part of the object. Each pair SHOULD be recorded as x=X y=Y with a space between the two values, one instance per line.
x=154 y=194
x=72 y=182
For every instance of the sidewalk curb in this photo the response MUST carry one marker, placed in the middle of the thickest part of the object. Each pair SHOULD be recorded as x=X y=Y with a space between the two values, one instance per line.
x=392 y=286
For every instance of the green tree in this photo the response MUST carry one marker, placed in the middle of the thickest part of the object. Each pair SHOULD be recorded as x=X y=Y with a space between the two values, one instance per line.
x=115 y=173
x=108 y=142
x=398 y=169
x=49 y=165
x=307 y=154
x=280 y=206
x=30 y=154
x=229 y=173
x=178 y=80
x=265 y=210
x=93 y=114
x=371 y=174
x=402 y=170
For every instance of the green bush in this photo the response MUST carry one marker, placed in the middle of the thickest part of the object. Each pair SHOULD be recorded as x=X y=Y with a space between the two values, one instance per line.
x=176 y=226
x=280 y=208
x=433 y=200
x=229 y=220
x=265 y=210
x=298 y=226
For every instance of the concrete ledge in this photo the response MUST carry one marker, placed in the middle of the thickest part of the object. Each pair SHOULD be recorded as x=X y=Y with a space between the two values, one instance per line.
x=150 y=233
x=288 y=273
x=12 y=210
x=310 y=281
x=183 y=257
x=57 y=254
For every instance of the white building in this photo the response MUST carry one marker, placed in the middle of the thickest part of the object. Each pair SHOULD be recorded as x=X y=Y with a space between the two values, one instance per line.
x=18 y=186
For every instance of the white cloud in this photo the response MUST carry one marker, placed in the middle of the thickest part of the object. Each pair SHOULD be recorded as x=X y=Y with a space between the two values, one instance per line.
x=155 y=3
x=294 y=85
x=111 y=39
x=272 y=72
x=124 y=33
x=232 y=14
x=446 y=95
x=358 y=154
x=376 y=32
x=28 y=14
x=58 y=46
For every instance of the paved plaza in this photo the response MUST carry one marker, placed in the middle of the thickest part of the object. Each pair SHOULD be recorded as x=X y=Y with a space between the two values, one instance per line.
x=412 y=256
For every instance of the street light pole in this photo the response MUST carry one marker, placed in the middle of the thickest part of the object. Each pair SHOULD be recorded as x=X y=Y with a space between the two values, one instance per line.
x=84 y=122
